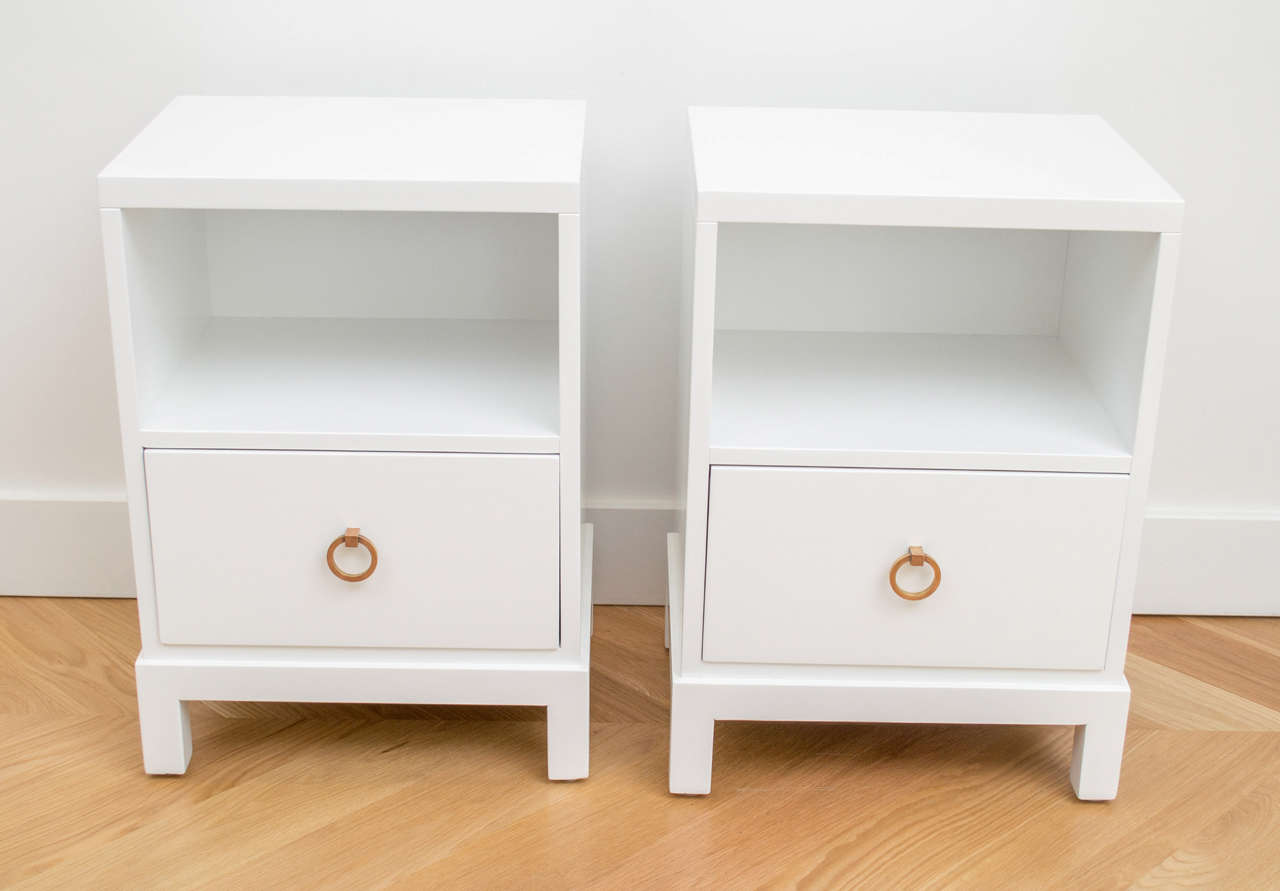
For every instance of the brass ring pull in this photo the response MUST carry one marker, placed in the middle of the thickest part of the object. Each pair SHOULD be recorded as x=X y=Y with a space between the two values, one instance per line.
x=916 y=557
x=352 y=538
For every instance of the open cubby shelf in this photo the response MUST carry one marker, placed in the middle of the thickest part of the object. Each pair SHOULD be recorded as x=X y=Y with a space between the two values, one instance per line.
x=928 y=347
x=346 y=329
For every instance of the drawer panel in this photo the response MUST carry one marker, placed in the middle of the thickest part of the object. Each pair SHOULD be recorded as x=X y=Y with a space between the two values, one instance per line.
x=798 y=566
x=468 y=548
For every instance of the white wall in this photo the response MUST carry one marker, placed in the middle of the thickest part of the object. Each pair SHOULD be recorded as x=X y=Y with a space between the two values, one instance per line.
x=1194 y=86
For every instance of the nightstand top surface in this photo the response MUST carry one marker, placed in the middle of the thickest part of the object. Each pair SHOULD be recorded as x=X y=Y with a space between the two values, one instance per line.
x=353 y=154
x=924 y=168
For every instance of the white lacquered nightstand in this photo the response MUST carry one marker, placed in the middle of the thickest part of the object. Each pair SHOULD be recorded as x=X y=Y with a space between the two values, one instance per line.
x=347 y=348
x=924 y=358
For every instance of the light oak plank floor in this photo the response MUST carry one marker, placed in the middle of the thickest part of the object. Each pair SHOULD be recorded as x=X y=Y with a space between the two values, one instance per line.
x=351 y=796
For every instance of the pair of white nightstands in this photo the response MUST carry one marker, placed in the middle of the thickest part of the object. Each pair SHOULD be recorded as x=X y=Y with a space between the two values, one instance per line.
x=923 y=362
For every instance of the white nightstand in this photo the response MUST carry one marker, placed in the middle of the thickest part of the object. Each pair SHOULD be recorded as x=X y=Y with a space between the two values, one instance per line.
x=341 y=327
x=916 y=330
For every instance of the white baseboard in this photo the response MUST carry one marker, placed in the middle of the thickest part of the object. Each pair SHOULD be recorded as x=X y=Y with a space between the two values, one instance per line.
x=79 y=547
x=631 y=553
x=1194 y=563
x=1202 y=563
x=65 y=547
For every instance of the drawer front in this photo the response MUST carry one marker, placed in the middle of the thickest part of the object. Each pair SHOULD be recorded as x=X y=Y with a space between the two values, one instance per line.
x=467 y=545
x=798 y=566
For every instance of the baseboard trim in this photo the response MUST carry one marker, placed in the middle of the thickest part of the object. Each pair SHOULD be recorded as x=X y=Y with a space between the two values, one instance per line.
x=1208 y=563
x=1193 y=562
x=65 y=547
x=631 y=553
x=79 y=547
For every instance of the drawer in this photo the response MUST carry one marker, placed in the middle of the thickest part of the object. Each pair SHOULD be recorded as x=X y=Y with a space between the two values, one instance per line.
x=467 y=547
x=798 y=564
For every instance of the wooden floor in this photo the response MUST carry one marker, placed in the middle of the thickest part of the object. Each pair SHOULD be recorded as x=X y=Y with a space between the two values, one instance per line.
x=351 y=796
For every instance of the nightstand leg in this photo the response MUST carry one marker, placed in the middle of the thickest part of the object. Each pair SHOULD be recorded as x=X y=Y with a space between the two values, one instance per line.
x=1098 y=751
x=166 y=728
x=569 y=735
x=692 y=738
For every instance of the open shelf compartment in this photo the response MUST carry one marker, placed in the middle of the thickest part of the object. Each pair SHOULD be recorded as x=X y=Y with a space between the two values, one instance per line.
x=345 y=330
x=931 y=348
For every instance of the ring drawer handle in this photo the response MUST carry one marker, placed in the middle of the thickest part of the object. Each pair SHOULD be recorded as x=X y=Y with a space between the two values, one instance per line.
x=916 y=557
x=352 y=538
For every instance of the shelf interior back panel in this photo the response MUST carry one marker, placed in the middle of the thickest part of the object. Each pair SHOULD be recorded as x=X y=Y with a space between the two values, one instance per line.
x=991 y=402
